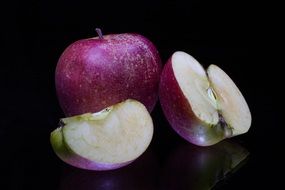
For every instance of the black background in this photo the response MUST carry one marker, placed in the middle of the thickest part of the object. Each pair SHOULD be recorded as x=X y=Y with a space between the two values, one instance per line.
x=239 y=36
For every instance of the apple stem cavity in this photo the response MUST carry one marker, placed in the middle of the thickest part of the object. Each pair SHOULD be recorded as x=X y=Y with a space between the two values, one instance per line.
x=228 y=131
x=99 y=32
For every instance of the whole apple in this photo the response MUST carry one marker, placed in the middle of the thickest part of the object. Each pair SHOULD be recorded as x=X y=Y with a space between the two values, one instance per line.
x=95 y=73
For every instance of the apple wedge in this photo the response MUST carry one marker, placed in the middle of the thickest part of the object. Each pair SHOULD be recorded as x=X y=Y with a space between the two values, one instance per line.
x=202 y=107
x=109 y=139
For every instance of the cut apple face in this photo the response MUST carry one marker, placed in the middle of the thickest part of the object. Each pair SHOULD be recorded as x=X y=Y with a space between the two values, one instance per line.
x=105 y=140
x=212 y=104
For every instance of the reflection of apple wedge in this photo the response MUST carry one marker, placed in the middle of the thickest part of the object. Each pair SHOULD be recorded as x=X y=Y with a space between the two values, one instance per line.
x=193 y=167
x=202 y=107
x=140 y=175
x=104 y=140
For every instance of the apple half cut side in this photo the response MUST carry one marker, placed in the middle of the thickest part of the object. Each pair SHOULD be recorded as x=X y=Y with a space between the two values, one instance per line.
x=105 y=140
x=202 y=107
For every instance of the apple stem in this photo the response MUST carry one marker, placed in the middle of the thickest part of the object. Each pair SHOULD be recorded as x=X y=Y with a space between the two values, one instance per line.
x=99 y=32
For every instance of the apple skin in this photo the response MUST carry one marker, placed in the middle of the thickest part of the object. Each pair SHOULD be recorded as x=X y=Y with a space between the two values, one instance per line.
x=95 y=73
x=179 y=114
x=70 y=157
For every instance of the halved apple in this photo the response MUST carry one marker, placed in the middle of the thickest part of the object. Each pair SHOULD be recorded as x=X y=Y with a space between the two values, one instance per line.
x=203 y=108
x=105 y=140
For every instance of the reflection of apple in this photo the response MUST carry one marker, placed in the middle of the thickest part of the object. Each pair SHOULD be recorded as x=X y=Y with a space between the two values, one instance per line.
x=193 y=167
x=139 y=175
x=95 y=73
x=202 y=107
x=104 y=140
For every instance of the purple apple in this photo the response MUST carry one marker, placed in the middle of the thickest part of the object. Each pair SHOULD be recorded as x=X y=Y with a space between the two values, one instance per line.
x=202 y=107
x=95 y=73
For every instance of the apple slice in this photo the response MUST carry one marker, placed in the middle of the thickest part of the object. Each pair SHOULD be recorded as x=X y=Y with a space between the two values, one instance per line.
x=204 y=108
x=105 y=140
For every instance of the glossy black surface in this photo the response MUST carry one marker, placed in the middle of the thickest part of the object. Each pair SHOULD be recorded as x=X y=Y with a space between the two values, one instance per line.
x=238 y=36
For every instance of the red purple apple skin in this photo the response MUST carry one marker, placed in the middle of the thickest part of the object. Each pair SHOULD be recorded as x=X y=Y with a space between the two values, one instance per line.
x=179 y=114
x=95 y=73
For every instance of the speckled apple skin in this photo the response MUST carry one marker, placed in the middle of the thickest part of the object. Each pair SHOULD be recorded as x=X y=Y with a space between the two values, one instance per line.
x=68 y=156
x=94 y=73
x=179 y=113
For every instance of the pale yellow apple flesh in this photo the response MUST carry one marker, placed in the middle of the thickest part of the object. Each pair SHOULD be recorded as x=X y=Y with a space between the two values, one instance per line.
x=213 y=96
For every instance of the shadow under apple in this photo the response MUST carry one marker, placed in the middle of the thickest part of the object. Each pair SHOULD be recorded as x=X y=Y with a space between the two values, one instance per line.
x=193 y=167
x=138 y=175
